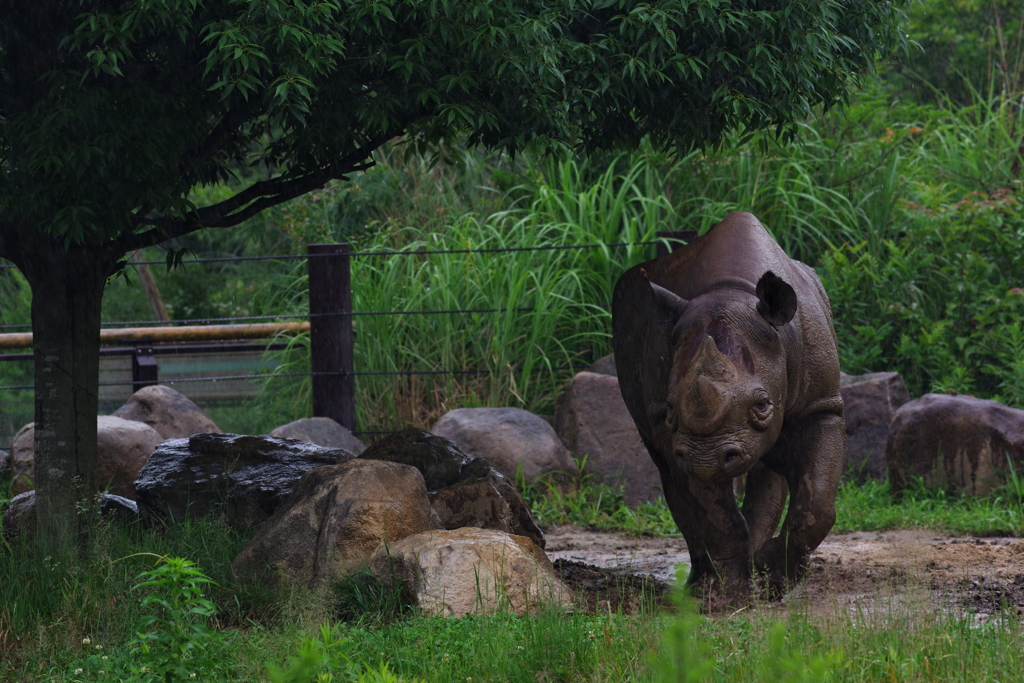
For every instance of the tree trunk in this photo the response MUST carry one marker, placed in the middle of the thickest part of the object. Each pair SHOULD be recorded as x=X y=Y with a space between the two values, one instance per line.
x=67 y=295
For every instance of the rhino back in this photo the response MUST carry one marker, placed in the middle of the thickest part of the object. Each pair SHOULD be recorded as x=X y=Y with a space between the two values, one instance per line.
x=738 y=249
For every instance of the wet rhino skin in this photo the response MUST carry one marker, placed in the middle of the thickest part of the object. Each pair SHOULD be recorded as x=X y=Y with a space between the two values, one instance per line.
x=727 y=361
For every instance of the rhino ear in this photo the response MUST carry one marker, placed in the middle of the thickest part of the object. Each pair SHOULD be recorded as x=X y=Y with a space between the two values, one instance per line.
x=777 y=300
x=668 y=307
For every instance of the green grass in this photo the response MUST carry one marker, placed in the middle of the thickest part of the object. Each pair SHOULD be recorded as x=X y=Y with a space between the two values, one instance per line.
x=867 y=506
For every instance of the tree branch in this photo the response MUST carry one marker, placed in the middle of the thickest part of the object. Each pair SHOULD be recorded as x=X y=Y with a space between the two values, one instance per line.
x=253 y=199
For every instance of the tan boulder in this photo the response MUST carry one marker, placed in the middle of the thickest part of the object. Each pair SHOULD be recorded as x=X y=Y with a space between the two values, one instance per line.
x=123 y=448
x=334 y=520
x=170 y=413
x=23 y=467
x=471 y=571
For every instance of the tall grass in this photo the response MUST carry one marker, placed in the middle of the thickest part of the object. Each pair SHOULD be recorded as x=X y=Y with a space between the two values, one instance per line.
x=536 y=315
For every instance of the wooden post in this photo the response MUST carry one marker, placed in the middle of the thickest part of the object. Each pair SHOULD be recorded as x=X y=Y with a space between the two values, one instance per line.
x=145 y=371
x=675 y=238
x=330 y=336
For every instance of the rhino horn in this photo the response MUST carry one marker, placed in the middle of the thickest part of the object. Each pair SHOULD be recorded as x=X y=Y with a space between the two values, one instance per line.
x=708 y=383
x=668 y=307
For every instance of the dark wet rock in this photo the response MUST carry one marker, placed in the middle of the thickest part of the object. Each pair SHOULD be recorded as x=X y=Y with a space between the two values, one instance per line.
x=173 y=415
x=334 y=521
x=869 y=402
x=510 y=439
x=322 y=431
x=594 y=424
x=20 y=516
x=243 y=478
x=465 y=491
x=959 y=444
x=438 y=459
x=484 y=498
x=5 y=462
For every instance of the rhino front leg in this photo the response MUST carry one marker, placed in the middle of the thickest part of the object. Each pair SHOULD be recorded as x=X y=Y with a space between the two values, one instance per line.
x=717 y=537
x=809 y=454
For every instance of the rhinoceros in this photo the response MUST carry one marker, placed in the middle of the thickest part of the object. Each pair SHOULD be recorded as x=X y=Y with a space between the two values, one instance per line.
x=727 y=362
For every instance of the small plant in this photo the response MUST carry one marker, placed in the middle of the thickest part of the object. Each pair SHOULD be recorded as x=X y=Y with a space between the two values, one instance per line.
x=173 y=641
x=366 y=599
x=327 y=659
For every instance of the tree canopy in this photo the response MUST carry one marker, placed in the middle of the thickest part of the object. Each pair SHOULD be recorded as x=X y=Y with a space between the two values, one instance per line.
x=112 y=112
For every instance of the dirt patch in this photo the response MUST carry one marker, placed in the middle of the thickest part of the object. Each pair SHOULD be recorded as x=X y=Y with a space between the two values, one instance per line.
x=602 y=590
x=863 y=569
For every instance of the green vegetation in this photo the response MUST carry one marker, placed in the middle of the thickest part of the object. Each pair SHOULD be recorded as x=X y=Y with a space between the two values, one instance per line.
x=906 y=201
x=83 y=622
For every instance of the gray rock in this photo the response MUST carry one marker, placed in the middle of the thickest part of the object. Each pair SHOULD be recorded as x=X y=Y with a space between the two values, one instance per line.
x=509 y=439
x=592 y=421
x=869 y=401
x=123 y=447
x=172 y=415
x=465 y=491
x=322 y=431
x=959 y=444
x=243 y=478
x=20 y=516
x=5 y=462
x=334 y=521
x=457 y=572
x=604 y=366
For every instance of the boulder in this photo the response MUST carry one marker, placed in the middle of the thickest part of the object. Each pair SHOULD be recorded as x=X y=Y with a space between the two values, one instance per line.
x=869 y=402
x=438 y=459
x=243 y=478
x=484 y=498
x=334 y=521
x=5 y=462
x=508 y=438
x=23 y=459
x=960 y=444
x=465 y=491
x=123 y=447
x=604 y=365
x=322 y=431
x=19 y=519
x=172 y=415
x=592 y=421
x=471 y=571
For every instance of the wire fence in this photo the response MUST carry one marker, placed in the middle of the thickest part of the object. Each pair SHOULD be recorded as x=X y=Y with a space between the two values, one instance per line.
x=246 y=382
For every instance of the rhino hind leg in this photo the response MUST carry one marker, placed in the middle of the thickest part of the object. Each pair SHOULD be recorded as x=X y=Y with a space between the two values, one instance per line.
x=810 y=456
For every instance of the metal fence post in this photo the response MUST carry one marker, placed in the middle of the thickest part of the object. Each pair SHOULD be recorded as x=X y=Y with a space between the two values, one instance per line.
x=676 y=238
x=330 y=335
x=145 y=371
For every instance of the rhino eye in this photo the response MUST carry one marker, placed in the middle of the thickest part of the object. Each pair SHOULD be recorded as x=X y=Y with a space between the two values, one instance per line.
x=760 y=412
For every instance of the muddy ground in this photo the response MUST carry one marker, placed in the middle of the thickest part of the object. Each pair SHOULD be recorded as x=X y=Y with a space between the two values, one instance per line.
x=864 y=569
